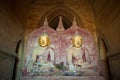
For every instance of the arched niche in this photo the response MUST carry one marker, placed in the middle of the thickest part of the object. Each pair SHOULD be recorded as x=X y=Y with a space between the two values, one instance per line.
x=103 y=47
x=67 y=17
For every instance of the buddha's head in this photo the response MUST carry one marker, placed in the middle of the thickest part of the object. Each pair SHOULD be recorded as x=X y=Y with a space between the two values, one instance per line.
x=77 y=41
x=44 y=40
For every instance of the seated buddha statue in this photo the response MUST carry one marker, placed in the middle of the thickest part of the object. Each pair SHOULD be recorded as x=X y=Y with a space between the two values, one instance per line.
x=77 y=55
x=43 y=55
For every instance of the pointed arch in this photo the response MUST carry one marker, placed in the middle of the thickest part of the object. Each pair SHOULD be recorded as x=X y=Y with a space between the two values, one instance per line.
x=61 y=10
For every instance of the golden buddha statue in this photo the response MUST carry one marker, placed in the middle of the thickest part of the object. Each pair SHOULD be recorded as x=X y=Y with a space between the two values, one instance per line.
x=44 y=40
x=77 y=41
x=44 y=44
x=76 y=54
x=43 y=55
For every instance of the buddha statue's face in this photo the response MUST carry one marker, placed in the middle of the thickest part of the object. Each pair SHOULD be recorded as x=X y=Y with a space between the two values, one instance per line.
x=44 y=41
x=77 y=41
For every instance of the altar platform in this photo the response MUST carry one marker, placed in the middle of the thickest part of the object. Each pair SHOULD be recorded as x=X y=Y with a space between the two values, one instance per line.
x=62 y=78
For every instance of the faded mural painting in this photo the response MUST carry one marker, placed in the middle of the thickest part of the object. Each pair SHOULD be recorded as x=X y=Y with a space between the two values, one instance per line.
x=61 y=52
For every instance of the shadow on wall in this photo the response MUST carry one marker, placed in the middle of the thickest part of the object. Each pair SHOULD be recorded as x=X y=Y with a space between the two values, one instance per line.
x=7 y=61
x=114 y=60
